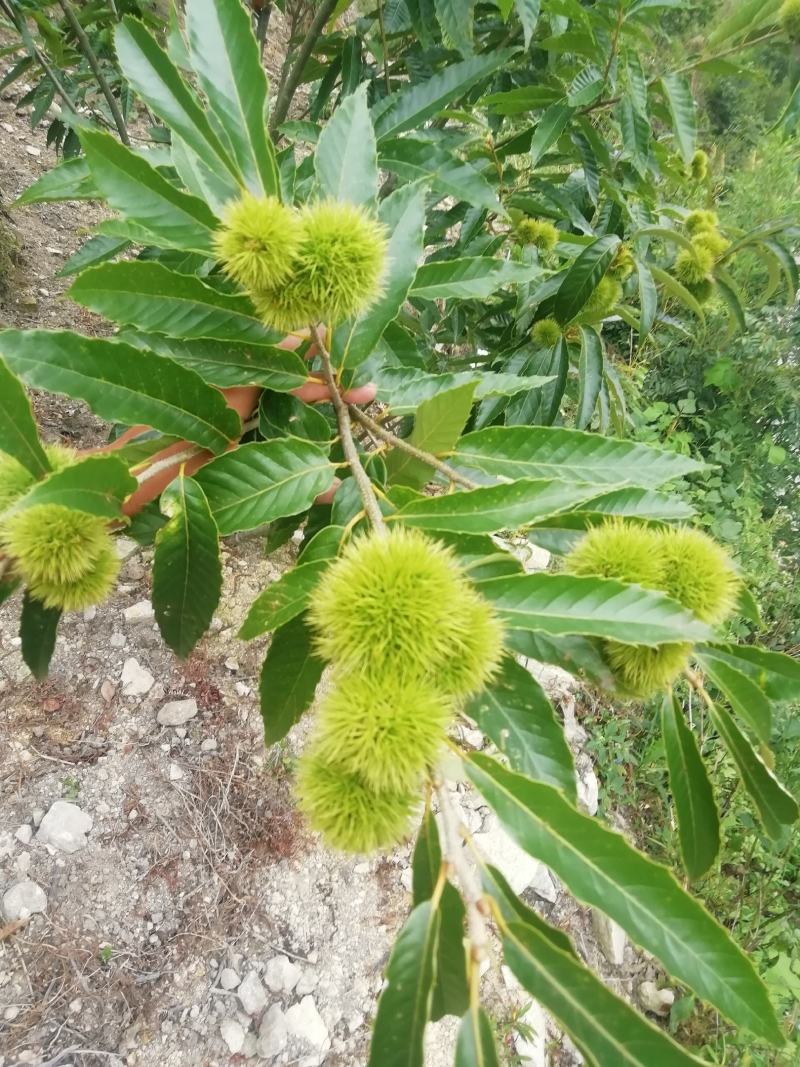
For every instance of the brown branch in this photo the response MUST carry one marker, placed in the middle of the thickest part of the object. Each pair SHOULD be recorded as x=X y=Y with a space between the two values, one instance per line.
x=292 y=80
x=94 y=63
x=425 y=457
x=361 y=477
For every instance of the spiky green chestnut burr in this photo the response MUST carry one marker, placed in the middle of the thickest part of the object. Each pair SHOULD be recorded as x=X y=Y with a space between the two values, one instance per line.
x=693 y=267
x=537 y=232
x=54 y=544
x=617 y=549
x=93 y=587
x=388 y=732
x=15 y=481
x=698 y=573
x=349 y=815
x=607 y=295
x=702 y=291
x=712 y=241
x=700 y=219
x=698 y=167
x=622 y=264
x=546 y=333
x=258 y=242
x=789 y=19
x=400 y=604
x=641 y=671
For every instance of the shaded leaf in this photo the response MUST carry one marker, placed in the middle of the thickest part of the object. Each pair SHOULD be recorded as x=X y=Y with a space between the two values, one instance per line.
x=37 y=630
x=346 y=161
x=187 y=570
x=479 y=276
x=582 y=278
x=96 y=485
x=475 y=1046
x=18 y=434
x=282 y=600
x=289 y=678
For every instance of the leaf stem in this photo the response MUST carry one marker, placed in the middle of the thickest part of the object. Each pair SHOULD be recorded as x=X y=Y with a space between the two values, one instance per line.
x=361 y=477
x=377 y=430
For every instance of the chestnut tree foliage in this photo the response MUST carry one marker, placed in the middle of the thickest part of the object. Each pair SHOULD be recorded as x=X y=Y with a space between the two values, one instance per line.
x=534 y=167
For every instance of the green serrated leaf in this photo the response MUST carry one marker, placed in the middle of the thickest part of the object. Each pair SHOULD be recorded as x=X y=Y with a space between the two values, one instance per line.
x=603 y=1025
x=346 y=161
x=475 y=1045
x=18 y=434
x=548 y=130
x=122 y=384
x=282 y=600
x=468 y=278
x=140 y=194
x=437 y=427
x=678 y=91
x=257 y=483
x=227 y=62
x=187 y=571
x=560 y=604
x=776 y=808
x=583 y=277
x=692 y=795
x=405 y=1004
x=601 y=869
x=556 y=452
x=289 y=678
x=493 y=508
x=152 y=297
x=743 y=693
x=777 y=674
x=96 y=485
x=37 y=630
x=515 y=713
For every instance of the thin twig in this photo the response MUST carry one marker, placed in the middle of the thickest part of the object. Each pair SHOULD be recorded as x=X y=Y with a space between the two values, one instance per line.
x=398 y=442
x=361 y=477
x=470 y=886
x=292 y=80
x=384 y=46
x=94 y=63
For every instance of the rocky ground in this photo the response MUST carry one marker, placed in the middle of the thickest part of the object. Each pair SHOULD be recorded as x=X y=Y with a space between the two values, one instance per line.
x=161 y=902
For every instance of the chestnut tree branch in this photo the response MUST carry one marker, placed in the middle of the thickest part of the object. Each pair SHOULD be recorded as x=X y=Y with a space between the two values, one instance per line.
x=361 y=477
x=377 y=430
x=453 y=852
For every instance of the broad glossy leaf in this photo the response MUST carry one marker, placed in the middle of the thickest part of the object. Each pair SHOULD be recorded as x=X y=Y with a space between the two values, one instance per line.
x=513 y=710
x=479 y=276
x=577 y=655
x=282 y=600
x=96 y=485
x=226 y=60
x=427 y=861
x=346 y=160
x=648 y=300
x=548 y=130
x=202 y=175
x=590 y=376
x=603 y=1025
x=18 y=434
x=289 y=678
x=742 y=692
x=257 y=483
x=37 y=630
x=411 y=107
x=475 y=1045
x=137 y=190
x=677 y=291
x=405 y=388
x=226 y=364
x=122 y=384
x=405 y=1003
x=157 y=80
x=495 y=507
x=286 y=416
x=678 y=91
x=638 y=503
x=774 y=672
x=187 y=571
x=152 y=297
x=403 y=212
x=776 y=807
x=592 y=607
x=556 y=452
x=583 y=277
x=437 y=427
x=601 y=869
x=692 y=795
x=522 y=99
